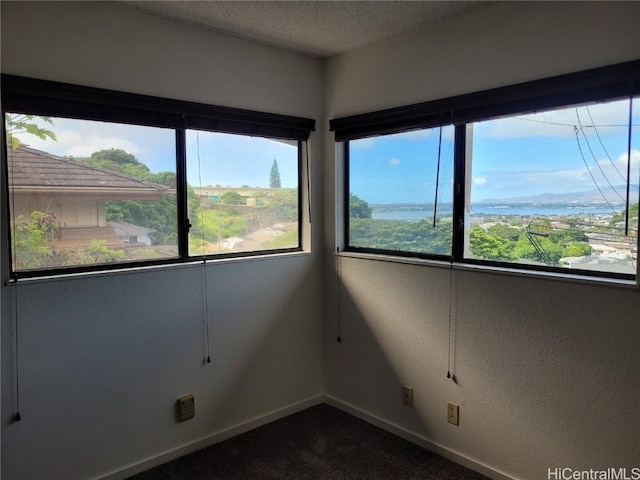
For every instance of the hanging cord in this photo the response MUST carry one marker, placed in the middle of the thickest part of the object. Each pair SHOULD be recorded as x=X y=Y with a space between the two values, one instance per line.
x=435 y=202
x=16 y=347
x=205 y=290
x=450 y=375
x=14 y=254
x=338 y=280
x=306 y=149
x=626 y=210
x=206 y=307
x=16 y=342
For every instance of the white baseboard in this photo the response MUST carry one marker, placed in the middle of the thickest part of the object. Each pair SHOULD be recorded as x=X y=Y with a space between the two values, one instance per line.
x=209 y=440
x=217 y=437
x=417 y=439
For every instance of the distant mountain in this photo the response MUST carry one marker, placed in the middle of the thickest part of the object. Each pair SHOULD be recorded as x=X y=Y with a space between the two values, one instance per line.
x=589 y=196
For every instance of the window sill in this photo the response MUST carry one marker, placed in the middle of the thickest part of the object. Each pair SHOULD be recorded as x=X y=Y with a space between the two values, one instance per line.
x=554 y=276
x=52 y=277
x=397 y=259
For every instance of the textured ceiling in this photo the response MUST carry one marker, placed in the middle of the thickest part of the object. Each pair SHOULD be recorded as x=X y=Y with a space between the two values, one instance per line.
x=317 y=28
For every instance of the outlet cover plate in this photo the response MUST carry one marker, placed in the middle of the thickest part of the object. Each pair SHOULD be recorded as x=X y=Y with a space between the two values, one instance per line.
x=453 y=413
x=407 y=396
x=186 y=407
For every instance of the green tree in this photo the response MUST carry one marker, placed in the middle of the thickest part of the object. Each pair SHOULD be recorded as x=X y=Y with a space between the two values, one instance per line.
x=358 y=208
x=491 y=247
x=505 y=231
x=96 y=252
x=160 y=215
x=117 y=160
x=34 y=245
x=16 y=124
x=419 y=236
x=232 y=198
x=577 y=249
x=525 y=249
x=274 y=176
x=285 y=205
x=568 y=235
x=117 y=156
x=217 y=225
x=633 y=213
x=33 y=240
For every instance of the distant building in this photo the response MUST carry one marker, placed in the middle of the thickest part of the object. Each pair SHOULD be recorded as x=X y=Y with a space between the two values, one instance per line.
x=609 y=262
x=75 y=194
x=210 y=193
x=132 y=234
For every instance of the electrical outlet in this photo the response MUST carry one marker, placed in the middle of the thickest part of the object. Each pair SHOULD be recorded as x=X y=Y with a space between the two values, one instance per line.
x=407 y=396
x=453 y=413
x=186 y=408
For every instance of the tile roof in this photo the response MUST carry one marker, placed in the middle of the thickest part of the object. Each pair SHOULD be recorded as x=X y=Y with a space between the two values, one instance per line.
x=32 y=171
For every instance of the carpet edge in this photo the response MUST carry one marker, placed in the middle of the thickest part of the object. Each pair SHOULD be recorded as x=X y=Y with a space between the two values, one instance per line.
x=417 y=439
x=207 y=441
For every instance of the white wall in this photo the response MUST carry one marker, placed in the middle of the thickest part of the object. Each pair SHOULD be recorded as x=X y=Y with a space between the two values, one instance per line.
x=548 y=372
x=103 y=359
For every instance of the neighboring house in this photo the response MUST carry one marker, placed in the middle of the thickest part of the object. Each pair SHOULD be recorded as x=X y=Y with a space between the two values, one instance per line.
x=75 y=193
x=230 y=243
x=132 y=234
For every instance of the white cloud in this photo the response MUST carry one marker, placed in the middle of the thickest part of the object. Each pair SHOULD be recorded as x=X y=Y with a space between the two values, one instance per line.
x=78 y=145
x=80 y=138
x=621 y=161
x=80 y=142
x=582 y=178
x=394 y=161
x=607 y=117
x=479 y=180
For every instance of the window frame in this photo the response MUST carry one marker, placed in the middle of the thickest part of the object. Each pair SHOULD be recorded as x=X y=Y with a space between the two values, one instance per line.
x=383 y=251
x=301 y=153
x=598 y=84
x=47 y=98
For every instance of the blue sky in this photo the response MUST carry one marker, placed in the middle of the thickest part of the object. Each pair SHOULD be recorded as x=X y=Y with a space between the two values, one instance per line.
x=236 y=160
x=511 y=157
x=402 y=168
x=224 y=159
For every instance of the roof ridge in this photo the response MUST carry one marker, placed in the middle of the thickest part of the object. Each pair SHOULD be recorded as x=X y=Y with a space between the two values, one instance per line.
x=126 y=176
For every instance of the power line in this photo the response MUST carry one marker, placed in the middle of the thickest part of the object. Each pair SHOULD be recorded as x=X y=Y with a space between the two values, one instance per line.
x=595 y=129
x=570 y=125
x=584 y=160
x=595 y=160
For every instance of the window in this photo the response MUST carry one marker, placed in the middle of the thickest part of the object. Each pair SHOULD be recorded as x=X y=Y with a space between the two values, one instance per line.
x=99 y=179
x=550 y=188
x=545 y=176
x=85 y=192
x=398 y=185
x=248 y=191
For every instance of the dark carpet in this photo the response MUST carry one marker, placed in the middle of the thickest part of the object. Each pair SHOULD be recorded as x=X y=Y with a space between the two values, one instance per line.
x=321 y=442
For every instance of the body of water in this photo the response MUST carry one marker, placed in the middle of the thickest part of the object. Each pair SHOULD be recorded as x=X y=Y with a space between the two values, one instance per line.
x=407 y=213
